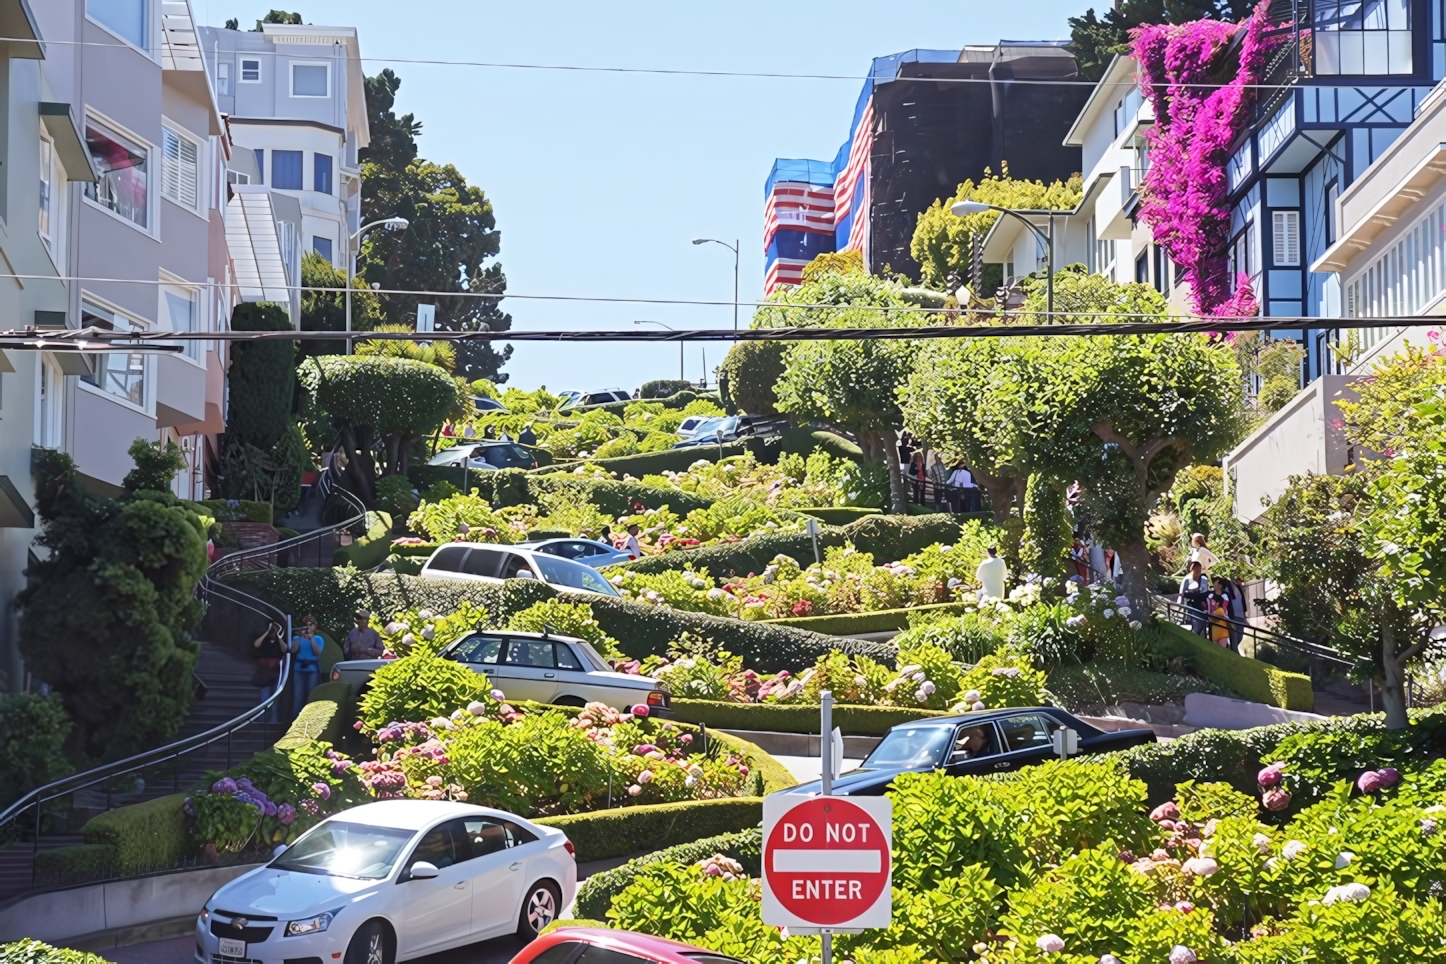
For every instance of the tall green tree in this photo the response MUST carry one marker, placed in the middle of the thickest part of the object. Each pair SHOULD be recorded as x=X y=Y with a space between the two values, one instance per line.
x=749 y=373
x=323 y=310
x=107 y=616
x=450 y=247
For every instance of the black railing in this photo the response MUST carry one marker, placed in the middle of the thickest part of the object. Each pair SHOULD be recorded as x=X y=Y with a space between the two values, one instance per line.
x=56 y=807
x=1183 y=614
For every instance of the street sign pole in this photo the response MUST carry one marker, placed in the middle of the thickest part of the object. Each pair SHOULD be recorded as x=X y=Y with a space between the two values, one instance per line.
x=825 y=757
x=811 y=527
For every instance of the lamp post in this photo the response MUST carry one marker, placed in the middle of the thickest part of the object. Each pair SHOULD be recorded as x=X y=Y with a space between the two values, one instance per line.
x=965 y=208
x=352 y=246
x=734 y=248
x=644 y=321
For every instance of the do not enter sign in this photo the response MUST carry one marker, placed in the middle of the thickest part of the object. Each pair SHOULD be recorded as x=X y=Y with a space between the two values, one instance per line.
x=826 y=861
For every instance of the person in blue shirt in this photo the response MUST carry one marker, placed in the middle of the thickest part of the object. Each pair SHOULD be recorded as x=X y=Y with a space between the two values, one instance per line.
x=306 y=649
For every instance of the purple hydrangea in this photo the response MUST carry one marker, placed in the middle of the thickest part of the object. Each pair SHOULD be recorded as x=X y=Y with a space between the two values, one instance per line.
x=286 y=813
x=224 y=785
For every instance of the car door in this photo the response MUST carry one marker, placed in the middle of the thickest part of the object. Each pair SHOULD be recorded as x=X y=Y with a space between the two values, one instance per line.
x=436 y=912
x=482 y=653
x=574 y=681
x=496 y=883
x=529 y=670
x=988 y=758
x=1027 y=739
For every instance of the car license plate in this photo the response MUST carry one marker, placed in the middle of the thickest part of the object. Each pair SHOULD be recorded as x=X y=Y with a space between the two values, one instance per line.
x=230 y=947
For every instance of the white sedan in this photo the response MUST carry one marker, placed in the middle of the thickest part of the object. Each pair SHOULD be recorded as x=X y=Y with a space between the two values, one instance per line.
x=392 y=881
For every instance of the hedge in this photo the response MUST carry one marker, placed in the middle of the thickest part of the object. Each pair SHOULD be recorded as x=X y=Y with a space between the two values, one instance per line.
x=855 y=624
x=370 y=550
x=839 y=515
x=333 y=595
x=803 y=441
x=595 y=895
x=64 y=866
x=600 y=834
x=656 y=463
x=30 y=951
x=662 y=388
x=223 y=511
x=516 y=487
x=1250 y=678
x=775 y=775
x=327 y=716
x=795 y=718
x=144 y=835
x=888 y=537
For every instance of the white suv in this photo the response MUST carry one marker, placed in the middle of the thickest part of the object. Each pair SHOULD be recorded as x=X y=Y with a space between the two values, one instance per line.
x=486 y=562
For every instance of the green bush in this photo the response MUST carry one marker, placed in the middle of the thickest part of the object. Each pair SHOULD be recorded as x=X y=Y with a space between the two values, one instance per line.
x=803 y=441
x=370 y=550
x=327 y=717
x=332 y=595
x=595 y=894
x=773 y=776
x=968 y=637
x=1251 y=678
x=669 y=460
x=394 y=496
x=564 y=619
x=857 y=624
x=233 y=510
x=1317 y=759
x=33 y=729
x=419 y=687
x=33 y=952
x=143 y=836
x=621 y=831
x=839 y=515
x=795 y=717
x=514 y=487
x=65 y=866
x=663 y=388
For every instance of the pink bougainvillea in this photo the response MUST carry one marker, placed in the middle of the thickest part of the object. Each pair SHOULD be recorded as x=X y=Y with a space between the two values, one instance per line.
x=1197 y=119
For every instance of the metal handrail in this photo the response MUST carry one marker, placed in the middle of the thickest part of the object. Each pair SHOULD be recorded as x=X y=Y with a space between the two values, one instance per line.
x=1303 y=646
x=263 y=557
x=213 y=588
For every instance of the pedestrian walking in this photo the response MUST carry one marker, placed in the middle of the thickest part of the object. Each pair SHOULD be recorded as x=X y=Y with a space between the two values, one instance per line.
x=607 y=536
x=1079 y=554
x=1113 y=568
x=938 y=480
x=363 y=642
x=490 y=432
x=1200 y=553
x=1193 y=590
x=306 y=647
x=469 y=432
x=918 y=471
x=268 y=650
x=959 y=480
x=630 y=544
x=1218 y=605
x=1238 y=611
x=992 y=573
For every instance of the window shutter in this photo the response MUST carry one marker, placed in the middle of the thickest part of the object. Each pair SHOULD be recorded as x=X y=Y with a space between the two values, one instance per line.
x=170 y=173
x=189 y=174
x=1287 y=239
x=181 y=171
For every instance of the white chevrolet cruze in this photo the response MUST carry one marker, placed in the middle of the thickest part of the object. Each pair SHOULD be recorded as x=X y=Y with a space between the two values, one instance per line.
x=392 y=881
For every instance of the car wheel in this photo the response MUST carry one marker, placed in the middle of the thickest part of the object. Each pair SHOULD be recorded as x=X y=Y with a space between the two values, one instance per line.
x=371 y=944
x=569 y=701
x=539 y=908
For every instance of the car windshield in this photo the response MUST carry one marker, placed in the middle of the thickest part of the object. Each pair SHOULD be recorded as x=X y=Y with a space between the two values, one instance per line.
x=340 y=849
x=910 y=746
x=565 y=572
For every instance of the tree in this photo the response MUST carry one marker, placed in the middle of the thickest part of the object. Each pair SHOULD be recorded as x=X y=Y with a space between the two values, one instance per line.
x=277 y=16
x=1095 y=297
x=851 y=384
x=1047 y=534
x=326 y=310
x=107 y=616
x=453 y=234
x=380 y=403
x=439 y=353
x=943 y=243
x=749 y=373
x=1096 y=40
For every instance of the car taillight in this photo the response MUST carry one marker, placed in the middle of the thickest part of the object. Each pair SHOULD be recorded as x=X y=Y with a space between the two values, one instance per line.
x=656 y=698
x=335 y=674
x=571 y=850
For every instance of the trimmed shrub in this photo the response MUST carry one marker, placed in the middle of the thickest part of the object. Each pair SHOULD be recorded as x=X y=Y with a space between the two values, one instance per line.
x=233 y=510
x=803 y=441
x=773 y=775
x=668 y=460
x=33 y=729
x=153 y=834
x=620 y=831
x=327 y=717
x=514 y=487
x=370 y=550
x=854 y=624
x=34 y=952
x=662 y=388
x=64 y=866
x=795 y=718
x=595 y=895
x=1251 y=678
x=839 y=515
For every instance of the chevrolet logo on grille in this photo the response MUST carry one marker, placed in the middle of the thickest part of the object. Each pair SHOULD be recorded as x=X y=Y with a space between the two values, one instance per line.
x=240 y=923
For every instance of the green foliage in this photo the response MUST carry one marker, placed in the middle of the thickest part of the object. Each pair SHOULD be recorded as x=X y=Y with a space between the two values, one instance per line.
x=144 y=836
x=564 y=619
x=326 y=310
x=452 y=241
x=1047 y=535
x=595 y=895
x=664 y=387
x=33 y=729
x=943 y=243
x=419 y=687
x=751 y=370
x=1078 y=290
x=1080 y=687
x=1252 y=679
x=442 y=354
x=621 y=831
x=156 y=466
x=260 y=377
x=1001 y=679
x=34 y=952
x=1316 y=760
x=106 y=618
x=395 y=496
x=967 y=637
x=940 y=924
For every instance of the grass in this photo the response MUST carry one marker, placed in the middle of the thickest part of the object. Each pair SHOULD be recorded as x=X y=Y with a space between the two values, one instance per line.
x=1090 y=684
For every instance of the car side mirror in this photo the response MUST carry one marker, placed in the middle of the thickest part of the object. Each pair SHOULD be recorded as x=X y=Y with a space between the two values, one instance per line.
x=280 y=849
x=423 y=870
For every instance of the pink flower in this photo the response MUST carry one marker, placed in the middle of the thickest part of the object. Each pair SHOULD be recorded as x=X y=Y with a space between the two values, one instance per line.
x=1369 y=782
x=322 y=790
x=686 y=738
x=641 y=710
x=1390 y=776
x=1269 y=777
x=1275 y=799
x=1165 y=811
x=1050 y=943
x=1200 y=867
x=1181 y=954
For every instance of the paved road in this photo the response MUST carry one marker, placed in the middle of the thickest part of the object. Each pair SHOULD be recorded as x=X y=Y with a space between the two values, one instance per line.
x=182 y=950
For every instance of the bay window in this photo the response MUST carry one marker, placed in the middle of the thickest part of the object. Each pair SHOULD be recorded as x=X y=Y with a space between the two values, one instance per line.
x=1362 y=37
x=123 y=166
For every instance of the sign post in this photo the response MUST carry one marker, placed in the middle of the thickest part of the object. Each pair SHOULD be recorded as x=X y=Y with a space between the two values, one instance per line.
x=811 y=527
x=1066 y=742
x=827 y=867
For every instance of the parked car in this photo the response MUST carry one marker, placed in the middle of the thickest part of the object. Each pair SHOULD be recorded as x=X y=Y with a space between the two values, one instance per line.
x=486 y=455
x=485 y=404
x=989 y=741
x=485 y=562
x=694 y=424
x=717 y=432
x=392 y=881
x=589 y=552
x=546 y=667
x=605 y=396
x=595 y=945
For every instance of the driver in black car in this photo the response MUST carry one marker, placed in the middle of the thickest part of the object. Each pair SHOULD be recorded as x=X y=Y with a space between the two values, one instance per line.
x=971 y=744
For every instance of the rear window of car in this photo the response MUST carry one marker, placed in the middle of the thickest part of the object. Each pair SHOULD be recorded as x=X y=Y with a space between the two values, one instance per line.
x=482 y=562
x=506 y=456
x=448 y=559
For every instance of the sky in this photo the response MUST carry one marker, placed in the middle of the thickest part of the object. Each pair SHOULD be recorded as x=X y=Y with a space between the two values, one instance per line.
x=600 y=181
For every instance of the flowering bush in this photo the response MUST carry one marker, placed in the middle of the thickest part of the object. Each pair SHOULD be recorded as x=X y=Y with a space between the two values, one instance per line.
x=794 y=481
x=421 y=630
x=1000 y=679
x=420 y=687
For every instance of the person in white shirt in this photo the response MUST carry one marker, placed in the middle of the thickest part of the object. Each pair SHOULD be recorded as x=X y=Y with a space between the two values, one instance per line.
x=962 y=488
x=1200 y=553
x=630 y=545
x=991 y=575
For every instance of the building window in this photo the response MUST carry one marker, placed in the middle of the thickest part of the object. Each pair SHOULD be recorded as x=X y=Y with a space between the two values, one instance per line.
x=237 y=177
x=123 y=184
x=1162 y=270
x=120 y=373
x=321 y=246
x=181 y=169
x=1333 y=196
x=260 y=165
x=286 y=170
x=310 y=80
x=47 y=187
x=180 y=312
x=223 y=79
x=52 y=400
x=1242 y=254
x=124 y=18
x=1286 y=232
x=321 y=173
x=1142 y=269
x=1366 y=37
x=250 y=71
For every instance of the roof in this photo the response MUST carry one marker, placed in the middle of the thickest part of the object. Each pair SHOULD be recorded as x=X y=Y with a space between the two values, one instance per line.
x=412 y=814
x=986 y=716
x=346 y=38
x=255 y=248
x=1119 y=78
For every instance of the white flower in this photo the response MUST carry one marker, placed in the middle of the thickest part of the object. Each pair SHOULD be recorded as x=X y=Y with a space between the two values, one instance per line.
x=977 y=706
x=1124 y=610
x=1108 y=613
x=1350 y=892
x=1181 y=954
x=918 y=677
x=1135 y=624
x=1122 y=601
x=1262 y=843
x=1050 y=943
x=972 y=696
x=927 y=688
x=1292 y=849
x=1343 y=859
x=394 y=627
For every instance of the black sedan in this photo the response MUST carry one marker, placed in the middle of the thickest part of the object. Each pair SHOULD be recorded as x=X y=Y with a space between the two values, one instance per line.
x=973 y=743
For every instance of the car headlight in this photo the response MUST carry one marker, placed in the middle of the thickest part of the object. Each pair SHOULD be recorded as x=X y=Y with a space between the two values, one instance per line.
x=312 y=925
x=205 y=914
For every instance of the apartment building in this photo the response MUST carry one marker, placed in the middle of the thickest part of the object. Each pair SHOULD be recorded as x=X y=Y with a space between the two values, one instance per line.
x=295 y=100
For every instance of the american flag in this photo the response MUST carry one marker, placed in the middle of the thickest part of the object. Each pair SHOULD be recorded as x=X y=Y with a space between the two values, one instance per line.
x=795 y=206
x=848 y=198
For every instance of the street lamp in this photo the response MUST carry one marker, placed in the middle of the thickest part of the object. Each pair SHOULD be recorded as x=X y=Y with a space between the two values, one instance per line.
x=643 y=321
x=961 y=209
x=734 y=248
x=352 y=245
